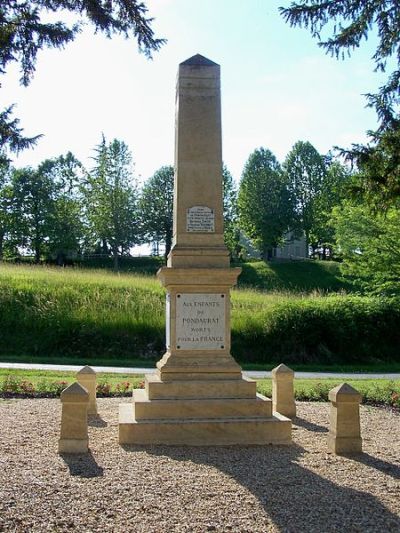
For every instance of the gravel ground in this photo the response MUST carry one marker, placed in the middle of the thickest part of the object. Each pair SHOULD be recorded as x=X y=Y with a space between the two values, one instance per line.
x=300 y=488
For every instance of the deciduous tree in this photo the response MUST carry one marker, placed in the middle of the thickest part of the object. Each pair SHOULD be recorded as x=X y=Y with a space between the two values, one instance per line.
x=265 y=206
x=369 y=242
x=305 y=172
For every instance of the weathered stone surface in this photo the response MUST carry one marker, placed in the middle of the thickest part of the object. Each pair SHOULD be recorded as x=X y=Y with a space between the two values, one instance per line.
x=283 y=391
x=344 y=435
x=74 y=427
x=87 y=378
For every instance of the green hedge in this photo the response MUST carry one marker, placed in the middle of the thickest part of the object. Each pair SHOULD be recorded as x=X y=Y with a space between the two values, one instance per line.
x=333 y=329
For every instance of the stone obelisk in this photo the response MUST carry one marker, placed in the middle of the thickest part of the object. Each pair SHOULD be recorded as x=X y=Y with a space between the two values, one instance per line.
x=198 y=395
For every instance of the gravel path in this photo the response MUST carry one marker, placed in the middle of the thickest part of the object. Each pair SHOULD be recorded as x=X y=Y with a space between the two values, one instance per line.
x=252 y=489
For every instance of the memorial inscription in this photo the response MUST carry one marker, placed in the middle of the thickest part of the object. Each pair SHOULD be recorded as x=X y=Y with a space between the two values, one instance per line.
x=200 y=219
x=200 y=321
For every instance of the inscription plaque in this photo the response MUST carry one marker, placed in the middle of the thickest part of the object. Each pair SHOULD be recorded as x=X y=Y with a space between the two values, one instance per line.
x=201 y=219
x=200 y=321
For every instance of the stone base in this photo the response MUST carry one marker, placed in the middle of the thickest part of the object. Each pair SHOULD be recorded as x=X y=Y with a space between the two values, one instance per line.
x=73 y=445
x=214 y=412
x=203 y=431
x=344 y=445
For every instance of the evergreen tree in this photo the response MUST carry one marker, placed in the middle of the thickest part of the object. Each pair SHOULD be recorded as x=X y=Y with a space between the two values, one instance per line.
x=156 y=207
x=111 y=200
x=25 y=29
x=351 y=21
x=265 y=206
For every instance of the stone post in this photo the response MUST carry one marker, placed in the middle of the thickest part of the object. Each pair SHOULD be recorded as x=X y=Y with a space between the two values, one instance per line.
x=283 y=391
x=344 y=431
x=87 y=378
x=74 y=427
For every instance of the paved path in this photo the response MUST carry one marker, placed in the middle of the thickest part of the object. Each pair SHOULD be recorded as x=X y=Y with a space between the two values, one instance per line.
x=252 y=373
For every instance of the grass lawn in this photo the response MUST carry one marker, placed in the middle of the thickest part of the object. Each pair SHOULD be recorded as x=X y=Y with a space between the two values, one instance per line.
x=377 y=391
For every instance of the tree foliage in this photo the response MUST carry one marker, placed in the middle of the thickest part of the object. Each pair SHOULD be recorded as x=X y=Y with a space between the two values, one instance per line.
x=33 y=208
x=156 y=207
x=305 y=173
x=111 y=199
x=265 y=206
x=230 y=211
x=25 y=29
x=334 y=189
x=369 y=242
x=352 y=21
x=66 y=229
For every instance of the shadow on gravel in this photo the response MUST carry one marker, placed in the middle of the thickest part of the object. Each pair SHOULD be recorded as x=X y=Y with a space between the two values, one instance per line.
x=82 y=465
x=390 y=469
x=96 y=421
x=310 y=426
x=294 y=497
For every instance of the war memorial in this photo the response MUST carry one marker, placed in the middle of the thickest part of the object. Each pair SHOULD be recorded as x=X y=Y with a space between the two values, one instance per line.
x=198 y=395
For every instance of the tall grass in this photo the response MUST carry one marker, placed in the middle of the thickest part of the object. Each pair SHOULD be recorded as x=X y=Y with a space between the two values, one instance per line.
x=87 y=313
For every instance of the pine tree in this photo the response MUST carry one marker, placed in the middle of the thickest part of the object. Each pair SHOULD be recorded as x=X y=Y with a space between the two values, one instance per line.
x=352 y=21
x=25 y=30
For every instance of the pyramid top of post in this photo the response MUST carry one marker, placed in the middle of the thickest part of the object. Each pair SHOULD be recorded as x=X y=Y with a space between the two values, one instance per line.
x=345 y=393
x=86 y=370
x=282 y=371
x=74 y=393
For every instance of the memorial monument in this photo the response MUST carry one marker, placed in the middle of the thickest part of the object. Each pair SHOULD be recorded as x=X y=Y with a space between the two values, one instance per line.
x=198 y=395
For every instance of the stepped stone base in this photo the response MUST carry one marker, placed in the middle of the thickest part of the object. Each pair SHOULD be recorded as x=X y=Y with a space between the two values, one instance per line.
x=214 y=412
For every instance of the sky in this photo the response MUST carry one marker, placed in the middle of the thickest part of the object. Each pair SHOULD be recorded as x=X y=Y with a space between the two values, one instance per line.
x=278 y=87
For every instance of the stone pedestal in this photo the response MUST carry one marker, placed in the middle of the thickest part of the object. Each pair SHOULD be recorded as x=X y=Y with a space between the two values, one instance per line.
x=198 y=395
x=87 y=378
x=283 y=391
x=344 y=435
x=74 y=427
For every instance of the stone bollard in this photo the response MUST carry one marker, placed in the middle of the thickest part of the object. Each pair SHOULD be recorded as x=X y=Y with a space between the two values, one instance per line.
x=74 y=426
x=344 y=430
x=283 y=391
x=87 y=378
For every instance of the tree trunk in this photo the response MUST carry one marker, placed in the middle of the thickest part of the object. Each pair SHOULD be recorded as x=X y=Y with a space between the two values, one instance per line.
x=115 y=257
x=307 y=234
x=267 y=254
x=324 y=253
x=1 y=245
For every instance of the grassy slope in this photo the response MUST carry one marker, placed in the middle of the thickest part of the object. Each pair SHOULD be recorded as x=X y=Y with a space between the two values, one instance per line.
x=294 y=276
x=101 y=317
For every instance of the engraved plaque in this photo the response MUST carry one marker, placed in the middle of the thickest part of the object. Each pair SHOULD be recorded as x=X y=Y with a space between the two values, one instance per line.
x=200 y=321
x=200 y=219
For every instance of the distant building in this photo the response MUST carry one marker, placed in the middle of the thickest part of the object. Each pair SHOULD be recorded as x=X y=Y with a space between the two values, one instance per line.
x=294 y=249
